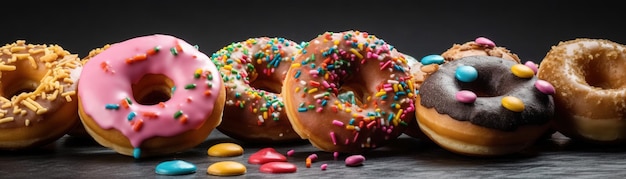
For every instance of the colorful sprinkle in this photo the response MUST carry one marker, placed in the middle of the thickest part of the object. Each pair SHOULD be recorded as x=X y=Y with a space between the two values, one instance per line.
x=465 y=96
x=466 y=73
x=323 y=166
x=432 y=59
x=545 y=87
x=112 y=106
x=178 y=114
x=513 y=104
x=522 y=71
x=313 y=157
x=174 y=51
x=190 y=86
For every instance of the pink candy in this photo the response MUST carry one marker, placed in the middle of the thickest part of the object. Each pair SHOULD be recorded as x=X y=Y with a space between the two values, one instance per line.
x=465 y=96
x=545 y=87
x=485 y=41
x=532 y=65
x=313 y=157
x=355 y=160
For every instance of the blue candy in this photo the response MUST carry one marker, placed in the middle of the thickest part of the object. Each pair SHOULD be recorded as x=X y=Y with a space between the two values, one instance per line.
x=466 y=73
x=432 y=59
x=175 y=167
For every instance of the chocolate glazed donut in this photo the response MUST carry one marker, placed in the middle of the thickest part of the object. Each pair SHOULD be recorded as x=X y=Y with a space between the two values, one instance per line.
x=504 y=104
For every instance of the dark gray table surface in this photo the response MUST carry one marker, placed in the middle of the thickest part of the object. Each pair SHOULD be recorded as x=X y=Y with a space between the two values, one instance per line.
x=406 y=157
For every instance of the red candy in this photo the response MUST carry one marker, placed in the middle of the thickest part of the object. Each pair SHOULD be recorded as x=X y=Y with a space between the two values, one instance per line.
x=266 y=155
x=278 y=167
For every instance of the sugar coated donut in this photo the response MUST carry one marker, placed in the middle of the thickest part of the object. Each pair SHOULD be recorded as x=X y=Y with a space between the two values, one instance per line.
x=484 y=105
x=590 y=80
x=38 y=88
x=150 y=95
x=253 y=72
x=349 y=92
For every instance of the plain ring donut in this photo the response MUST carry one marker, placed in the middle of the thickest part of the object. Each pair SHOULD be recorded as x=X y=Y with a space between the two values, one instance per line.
x=590 y=80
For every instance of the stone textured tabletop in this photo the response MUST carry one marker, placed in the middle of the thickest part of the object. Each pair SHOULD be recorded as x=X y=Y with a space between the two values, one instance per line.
x=407 y=157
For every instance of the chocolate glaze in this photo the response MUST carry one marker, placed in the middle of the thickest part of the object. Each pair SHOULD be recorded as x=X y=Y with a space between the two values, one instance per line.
x=495 y=81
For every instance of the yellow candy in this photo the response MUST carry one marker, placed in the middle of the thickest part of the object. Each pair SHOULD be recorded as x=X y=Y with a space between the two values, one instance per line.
x=522 y=71
x=513 y=103
x=225 y=150
x=226 y=168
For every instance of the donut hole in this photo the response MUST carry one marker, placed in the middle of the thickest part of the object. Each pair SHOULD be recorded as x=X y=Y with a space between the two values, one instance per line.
x=352 y=93
x=19 y=87
x=488 y=86
x=153 y=89
x=604 y=72
x=267 y=85
x=24 y=79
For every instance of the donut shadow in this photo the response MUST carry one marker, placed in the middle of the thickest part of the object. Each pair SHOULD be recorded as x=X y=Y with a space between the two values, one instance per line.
x=561 y=143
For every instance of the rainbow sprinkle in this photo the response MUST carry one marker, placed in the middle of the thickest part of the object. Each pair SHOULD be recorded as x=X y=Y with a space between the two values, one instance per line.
x=336 y=60
x=242 y=63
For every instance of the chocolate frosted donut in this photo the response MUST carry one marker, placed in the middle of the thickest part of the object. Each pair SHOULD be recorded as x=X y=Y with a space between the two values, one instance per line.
x=494 y=82
x=484 y=105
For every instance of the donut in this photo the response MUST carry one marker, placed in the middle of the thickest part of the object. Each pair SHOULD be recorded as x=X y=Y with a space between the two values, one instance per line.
x=590 y=99
x=38 y=88
x=419 y=73
x=422 y=69
x=253 y=72
x=480 y=46
x=484 y=106
x=349 y=92
x=150 y=95
x=79 y=130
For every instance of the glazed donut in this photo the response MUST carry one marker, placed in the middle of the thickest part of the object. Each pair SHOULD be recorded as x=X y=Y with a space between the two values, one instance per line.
x=150 y=95
x=349 y=92
x=590 y=98
x=484 y=106
x=38 y=88
x=253 y=72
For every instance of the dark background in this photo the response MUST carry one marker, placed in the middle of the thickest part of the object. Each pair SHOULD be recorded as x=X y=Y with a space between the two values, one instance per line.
x=416 y=28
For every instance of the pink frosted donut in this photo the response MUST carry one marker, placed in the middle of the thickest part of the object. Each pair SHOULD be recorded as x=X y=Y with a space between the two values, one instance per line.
x=150 y=95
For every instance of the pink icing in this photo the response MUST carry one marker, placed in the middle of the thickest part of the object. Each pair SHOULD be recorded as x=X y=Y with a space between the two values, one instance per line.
x=100 y=86
x=465 y=96
x=485 y=41
x=545 y=87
